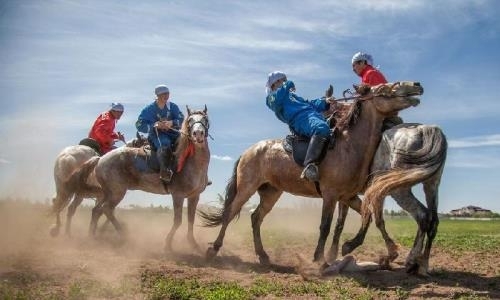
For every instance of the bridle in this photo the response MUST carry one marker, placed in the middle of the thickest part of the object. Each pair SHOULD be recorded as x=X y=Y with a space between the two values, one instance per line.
x=203 y=121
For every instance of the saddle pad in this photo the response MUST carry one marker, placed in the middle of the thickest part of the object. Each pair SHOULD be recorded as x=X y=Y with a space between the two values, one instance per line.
x=148 y=163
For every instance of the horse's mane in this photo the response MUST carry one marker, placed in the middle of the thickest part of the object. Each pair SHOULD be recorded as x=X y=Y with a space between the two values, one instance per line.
x=184 y=140
x=348 y=118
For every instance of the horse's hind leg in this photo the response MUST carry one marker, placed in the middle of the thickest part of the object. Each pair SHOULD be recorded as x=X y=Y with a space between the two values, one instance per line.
x=392 y=248
x=96 y=214
x=431 y=196
x=77 y=200
x=177 y=203
x=59 y=202
x=268 y=197
x=407 y=200
x=241 y=197
x=192 y=204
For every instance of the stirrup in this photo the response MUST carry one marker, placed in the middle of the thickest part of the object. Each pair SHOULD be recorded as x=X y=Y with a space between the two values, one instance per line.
x=310 y=172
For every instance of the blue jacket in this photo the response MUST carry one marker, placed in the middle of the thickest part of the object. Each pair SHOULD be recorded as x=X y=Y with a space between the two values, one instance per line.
x=152 y=113
x=287 y=105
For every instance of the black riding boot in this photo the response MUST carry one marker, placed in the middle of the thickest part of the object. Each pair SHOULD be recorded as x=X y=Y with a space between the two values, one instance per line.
x=165 y=157
x=313 y=157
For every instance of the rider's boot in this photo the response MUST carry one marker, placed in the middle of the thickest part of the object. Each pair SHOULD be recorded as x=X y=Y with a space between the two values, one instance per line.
x=165 y=157
x=313 y=157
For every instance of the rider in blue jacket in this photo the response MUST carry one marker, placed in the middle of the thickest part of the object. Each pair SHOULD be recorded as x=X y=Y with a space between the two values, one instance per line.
x=304 y=117
x=161 y=120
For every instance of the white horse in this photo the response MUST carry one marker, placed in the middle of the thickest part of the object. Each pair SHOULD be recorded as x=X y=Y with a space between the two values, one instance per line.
x=67 y=162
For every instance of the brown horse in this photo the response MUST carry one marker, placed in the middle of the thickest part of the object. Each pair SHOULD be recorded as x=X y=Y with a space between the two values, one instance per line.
x=69 y=160
x=119 y=171
x=408 y=154
x=268 y=169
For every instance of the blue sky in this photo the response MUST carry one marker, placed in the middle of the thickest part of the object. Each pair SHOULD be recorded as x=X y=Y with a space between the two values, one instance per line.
x=62 y=63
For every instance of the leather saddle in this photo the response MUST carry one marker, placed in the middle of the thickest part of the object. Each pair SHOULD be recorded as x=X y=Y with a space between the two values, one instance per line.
x=89 y=142
x=297 y=145
x=149 y=163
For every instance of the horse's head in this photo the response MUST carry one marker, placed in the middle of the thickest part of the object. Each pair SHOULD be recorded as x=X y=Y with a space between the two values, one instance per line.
x=393 y=97
x=197 y=125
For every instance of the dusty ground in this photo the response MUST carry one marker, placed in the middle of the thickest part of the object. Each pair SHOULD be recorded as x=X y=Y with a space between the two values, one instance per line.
x=80 y=267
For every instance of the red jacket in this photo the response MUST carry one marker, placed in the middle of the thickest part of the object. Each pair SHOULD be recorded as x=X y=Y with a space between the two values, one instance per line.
x=372 y=76
x=103 y=131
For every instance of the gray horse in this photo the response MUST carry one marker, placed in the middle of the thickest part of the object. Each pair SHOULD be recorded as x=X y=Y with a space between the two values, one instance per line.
x=408 y=154
x=123 y=169
x=69 y=160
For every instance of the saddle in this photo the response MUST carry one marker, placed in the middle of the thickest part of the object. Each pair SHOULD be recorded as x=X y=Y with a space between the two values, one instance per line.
x=297 y=145
x=89 y=142
x=148 y=163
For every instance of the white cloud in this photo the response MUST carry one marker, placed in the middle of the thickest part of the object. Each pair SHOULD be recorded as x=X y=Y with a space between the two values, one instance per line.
x=4 y=161
x=477 y=141
x=224 y=158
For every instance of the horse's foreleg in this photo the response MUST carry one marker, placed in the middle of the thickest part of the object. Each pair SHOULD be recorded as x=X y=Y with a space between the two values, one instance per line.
x=339 y=227
x=324 y=227
x=366 y=219
x=77 y=200
x=177 y=203
x=192 y=204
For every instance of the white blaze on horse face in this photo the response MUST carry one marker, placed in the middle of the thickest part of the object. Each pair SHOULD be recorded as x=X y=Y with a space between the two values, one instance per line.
x=198 y=132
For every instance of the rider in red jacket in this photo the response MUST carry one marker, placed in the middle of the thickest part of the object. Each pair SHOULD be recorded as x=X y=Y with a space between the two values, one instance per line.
x=362 y=65
x=104 y=126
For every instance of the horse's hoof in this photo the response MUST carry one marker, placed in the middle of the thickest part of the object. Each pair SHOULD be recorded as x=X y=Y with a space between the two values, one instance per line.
x=211 y=253
x=54 y=231
x=319 y=258
x=346 y=248
x=264 y=260
x=331 y=256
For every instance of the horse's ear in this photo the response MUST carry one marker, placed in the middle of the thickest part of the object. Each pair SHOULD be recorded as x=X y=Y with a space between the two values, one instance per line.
x=188 y=110
x=205 y=110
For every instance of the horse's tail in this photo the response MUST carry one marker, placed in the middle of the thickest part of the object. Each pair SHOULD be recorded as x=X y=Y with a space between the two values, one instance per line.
x=216 y=218
x=78 y=179
x=420 y=165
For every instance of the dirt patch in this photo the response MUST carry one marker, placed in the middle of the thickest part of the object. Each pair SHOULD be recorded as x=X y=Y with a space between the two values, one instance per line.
x=36 y=265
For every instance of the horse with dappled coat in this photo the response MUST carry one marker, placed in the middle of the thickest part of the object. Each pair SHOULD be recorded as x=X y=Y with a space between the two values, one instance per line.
x=124 y=169
x=408 y=154
x=268 y=169
x=69 y=160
